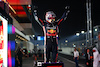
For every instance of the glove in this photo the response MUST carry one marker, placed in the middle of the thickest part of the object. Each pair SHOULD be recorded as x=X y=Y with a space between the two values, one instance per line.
x=67 y=7
x=67 y=10
x=35 y=10
x=35 y=7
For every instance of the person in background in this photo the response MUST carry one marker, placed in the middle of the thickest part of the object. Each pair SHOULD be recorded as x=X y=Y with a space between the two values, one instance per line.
x=76 y=57
x=16 y=60
x=20 y=54
x=88 y=60
x=99 y=61
x=95 y=57
x=50 y=27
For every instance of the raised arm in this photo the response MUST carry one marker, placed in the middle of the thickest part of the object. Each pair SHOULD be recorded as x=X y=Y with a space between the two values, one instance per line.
x=64 y=16
x=41 y=23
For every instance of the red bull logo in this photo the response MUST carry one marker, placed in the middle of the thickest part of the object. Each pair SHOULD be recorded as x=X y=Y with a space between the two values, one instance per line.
x=52 y=31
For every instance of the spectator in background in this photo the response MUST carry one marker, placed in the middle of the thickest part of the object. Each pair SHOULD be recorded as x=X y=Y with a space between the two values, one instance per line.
x=76 y=57
x=20 y=55
x=16 y=60
x=99 y=61
x=88 y=60
x=95 y=57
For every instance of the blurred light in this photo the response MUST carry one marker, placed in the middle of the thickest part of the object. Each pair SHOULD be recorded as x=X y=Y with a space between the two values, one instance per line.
x=23 y=50
x=82 y=43
x=77 y=34
x=38 y=38
x=13 y=29
x=73 y=44
x=12 y=9
x=33 y=35
x=9 y=54
x=87 y=40
x=29 y=5
x=66 y=41
x=28 y=51
x=96 y=29
x=82 y=32
x=56 y=35
x=16 y=35
x=9 y=29
x=90 y=31
x=42 y=37
x=35 y=10
x=37 y=44
x=13 y=61
x=12 y=43
x=29 y=8
x=17 y=42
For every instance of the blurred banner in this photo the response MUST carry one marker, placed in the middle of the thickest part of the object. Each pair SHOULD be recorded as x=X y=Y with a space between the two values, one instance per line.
x=19 y=2
x=3 y=42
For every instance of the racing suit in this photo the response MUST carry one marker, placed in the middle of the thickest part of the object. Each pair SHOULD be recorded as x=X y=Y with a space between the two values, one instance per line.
x=50 y=32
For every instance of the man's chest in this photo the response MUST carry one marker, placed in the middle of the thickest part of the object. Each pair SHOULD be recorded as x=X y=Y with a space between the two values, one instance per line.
x=51 y=29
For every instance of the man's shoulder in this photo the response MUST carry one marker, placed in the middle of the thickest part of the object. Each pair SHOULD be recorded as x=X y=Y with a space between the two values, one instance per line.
x=77 y=51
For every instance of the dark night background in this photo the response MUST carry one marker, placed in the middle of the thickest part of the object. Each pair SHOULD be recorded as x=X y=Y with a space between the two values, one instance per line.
x=76 y=20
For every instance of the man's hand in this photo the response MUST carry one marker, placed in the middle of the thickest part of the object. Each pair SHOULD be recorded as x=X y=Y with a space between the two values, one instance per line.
x=18 y=62
x=78 y=58
x=22 y=51
x=87 y=63
x=67 y=12
x=35 y=10
x=67 y=7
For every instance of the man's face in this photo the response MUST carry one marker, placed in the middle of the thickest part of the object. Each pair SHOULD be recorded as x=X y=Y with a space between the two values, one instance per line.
x=74 y=49
x=50 y=17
